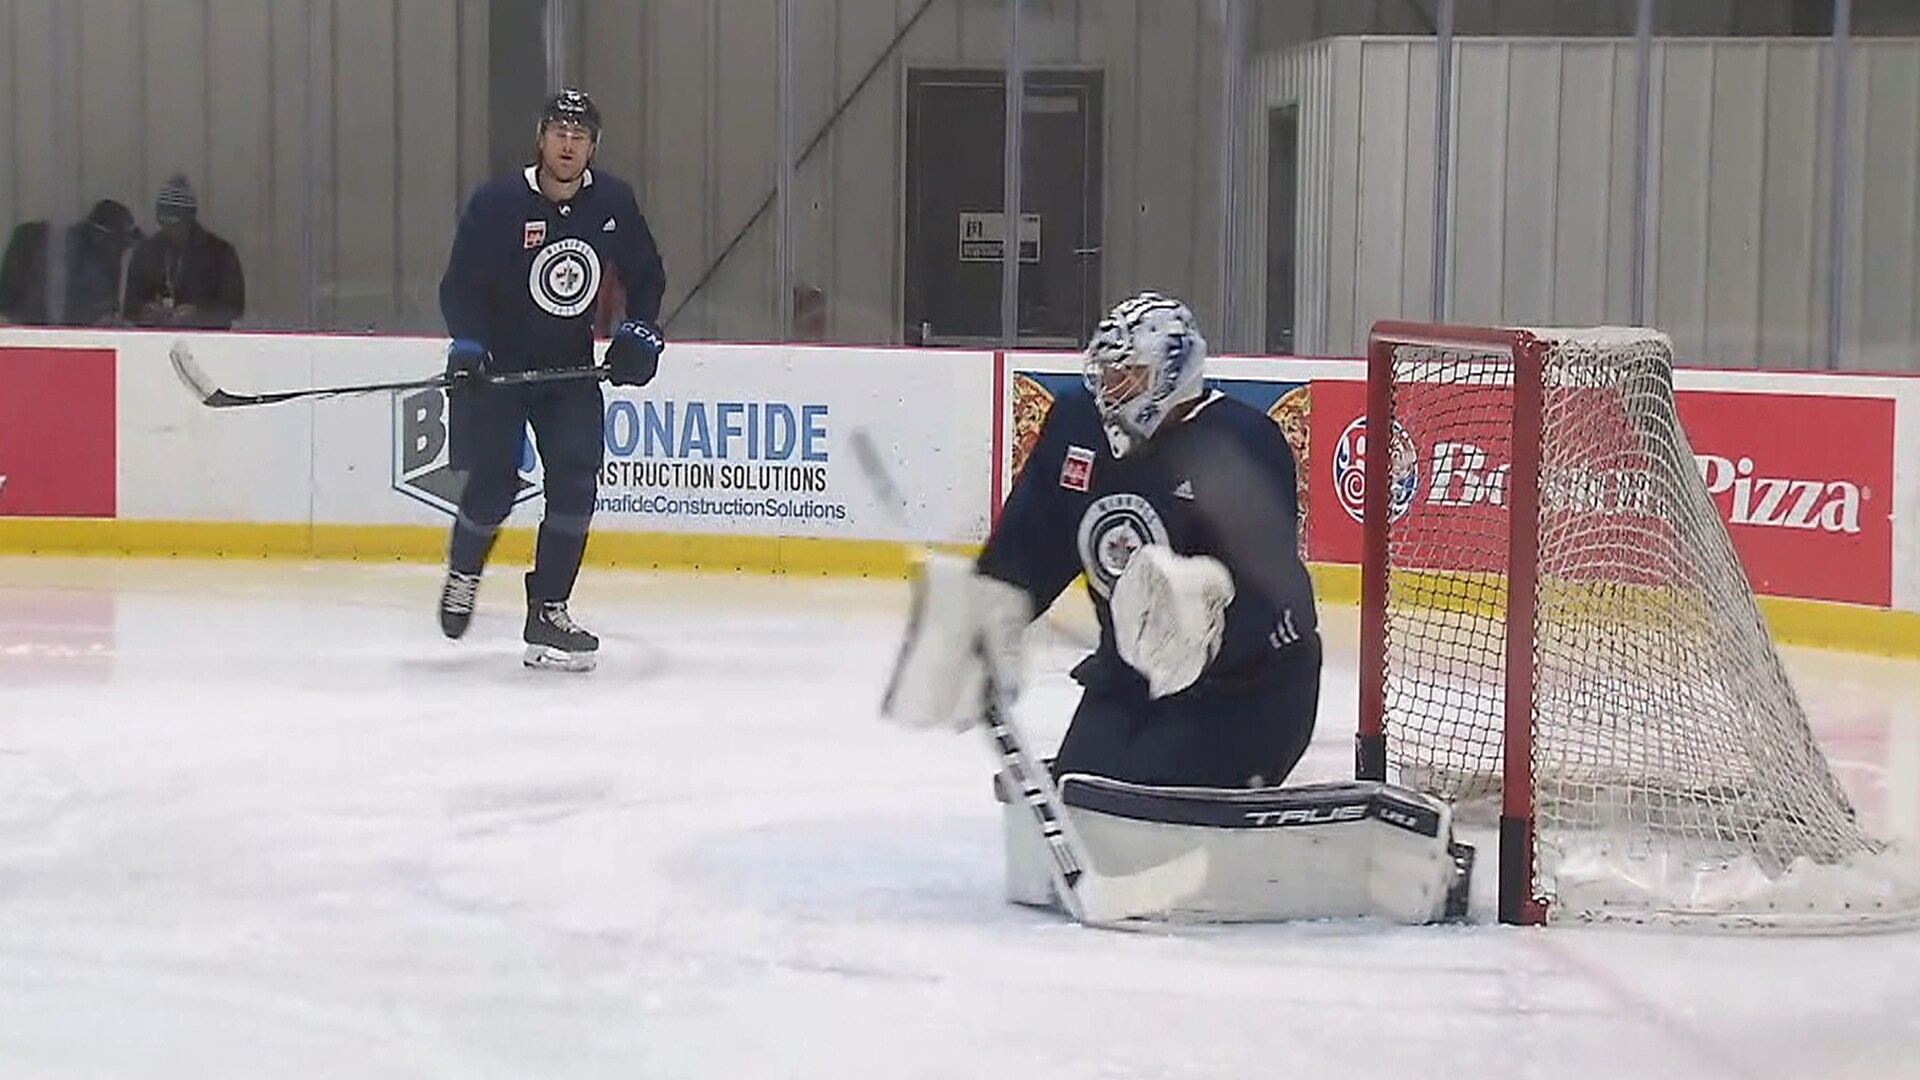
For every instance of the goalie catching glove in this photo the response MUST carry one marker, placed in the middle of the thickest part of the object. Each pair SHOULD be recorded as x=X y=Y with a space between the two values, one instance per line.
x=1169 y=615
x=960 y=622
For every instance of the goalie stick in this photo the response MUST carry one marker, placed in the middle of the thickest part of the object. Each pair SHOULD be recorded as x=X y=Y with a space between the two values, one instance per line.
x=1089 y=897
x=212 y=396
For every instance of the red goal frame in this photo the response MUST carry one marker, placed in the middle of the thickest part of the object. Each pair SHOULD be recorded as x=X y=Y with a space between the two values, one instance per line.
x=1518 y=902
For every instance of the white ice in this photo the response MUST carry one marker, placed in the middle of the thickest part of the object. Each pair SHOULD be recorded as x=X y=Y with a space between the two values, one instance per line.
x=258 y=820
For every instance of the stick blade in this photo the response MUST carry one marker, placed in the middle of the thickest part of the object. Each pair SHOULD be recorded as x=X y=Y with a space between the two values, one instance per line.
x=190 y=374
x=1157 y=890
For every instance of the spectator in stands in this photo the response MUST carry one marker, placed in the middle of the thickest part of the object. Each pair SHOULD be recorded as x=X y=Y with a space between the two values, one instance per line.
x=184 y=276
x=96 y=250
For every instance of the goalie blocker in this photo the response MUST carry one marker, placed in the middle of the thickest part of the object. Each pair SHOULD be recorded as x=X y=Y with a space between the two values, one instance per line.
x=1362 y=849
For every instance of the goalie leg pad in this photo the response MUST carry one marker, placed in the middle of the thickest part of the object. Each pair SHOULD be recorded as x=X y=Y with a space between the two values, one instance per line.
x=959 y=621
x=1314 y=851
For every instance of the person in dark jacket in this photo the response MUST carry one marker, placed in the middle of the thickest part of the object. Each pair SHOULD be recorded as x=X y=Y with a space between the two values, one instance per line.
x=96 y=251
x=184 y=275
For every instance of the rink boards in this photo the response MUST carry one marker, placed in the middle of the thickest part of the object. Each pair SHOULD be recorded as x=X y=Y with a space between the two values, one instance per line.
x=737 y=458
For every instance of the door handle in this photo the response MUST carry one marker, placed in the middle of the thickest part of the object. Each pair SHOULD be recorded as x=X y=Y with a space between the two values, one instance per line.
x=1086 y=251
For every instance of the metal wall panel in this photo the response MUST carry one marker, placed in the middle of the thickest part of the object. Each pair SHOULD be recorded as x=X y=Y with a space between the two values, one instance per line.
x=278 y=273
x=327 y=141
x=1541 y=195
x=366 y=164
x=333 y=143
x=30 y=116
x=229 y=180
x=1793 y=226
x=427 y=134
x=1882 y=326
x=708 y=156
x=1302 y=77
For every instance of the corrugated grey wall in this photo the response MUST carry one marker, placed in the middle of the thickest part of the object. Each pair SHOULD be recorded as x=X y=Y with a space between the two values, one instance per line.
x=1284 y=23
x=694 y=109
x=334 y=140
x=331 y=141
x=1541 y=194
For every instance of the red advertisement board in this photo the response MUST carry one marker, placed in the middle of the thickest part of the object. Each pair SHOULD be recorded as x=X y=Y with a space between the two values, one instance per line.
x=1804 y=484
x=57 y=452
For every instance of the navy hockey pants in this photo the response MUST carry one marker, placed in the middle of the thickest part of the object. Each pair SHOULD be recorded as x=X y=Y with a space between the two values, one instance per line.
x=1218 y=733
x=486 y=426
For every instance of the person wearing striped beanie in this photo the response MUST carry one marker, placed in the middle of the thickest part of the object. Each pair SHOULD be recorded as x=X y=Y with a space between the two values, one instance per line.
x=176 y=204
x=183 y=276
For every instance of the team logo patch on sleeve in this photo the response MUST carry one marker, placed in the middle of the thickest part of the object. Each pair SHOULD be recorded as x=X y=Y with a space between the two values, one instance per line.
x=1076 y=472
x=533 y=235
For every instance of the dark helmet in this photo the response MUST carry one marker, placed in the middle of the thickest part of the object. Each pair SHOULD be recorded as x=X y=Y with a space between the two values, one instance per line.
x=574 y=107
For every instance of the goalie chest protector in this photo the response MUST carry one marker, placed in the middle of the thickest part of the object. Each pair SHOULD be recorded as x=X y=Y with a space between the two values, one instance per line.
x=1076 y=508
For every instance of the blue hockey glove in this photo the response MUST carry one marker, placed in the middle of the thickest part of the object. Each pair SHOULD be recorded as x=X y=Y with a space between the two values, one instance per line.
x=466 y=359
x=633 y=358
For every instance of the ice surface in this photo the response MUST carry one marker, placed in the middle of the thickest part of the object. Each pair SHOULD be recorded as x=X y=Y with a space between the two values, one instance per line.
x=259 y=820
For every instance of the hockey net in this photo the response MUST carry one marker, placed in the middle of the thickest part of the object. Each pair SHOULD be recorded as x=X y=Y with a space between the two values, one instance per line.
x=1599 y=672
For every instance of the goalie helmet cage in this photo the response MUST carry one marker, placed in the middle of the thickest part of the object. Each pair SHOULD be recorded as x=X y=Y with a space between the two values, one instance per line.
x=1553 y=620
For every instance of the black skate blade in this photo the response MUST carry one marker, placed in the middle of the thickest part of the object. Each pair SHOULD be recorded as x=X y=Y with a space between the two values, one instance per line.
x=551 y=659
x=1458 y=892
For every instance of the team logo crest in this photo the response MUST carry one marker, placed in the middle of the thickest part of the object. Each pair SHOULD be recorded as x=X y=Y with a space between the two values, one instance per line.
x=565 y=277
x=421 y=470
x=1111 y=530
x=1350 y=471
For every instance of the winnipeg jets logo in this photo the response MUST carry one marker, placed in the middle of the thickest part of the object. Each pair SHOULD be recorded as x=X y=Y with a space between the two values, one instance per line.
x=1111 y=530
x=565 y=278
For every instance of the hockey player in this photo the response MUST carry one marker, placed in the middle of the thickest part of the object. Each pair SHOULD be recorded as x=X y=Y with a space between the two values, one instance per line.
x=1208 y=667
x=1178 y=505
x=529 y=256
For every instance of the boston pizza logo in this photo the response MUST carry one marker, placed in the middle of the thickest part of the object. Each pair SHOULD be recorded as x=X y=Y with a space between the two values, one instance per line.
x=1111 y=530
x=565 y=278
x=1350 y=471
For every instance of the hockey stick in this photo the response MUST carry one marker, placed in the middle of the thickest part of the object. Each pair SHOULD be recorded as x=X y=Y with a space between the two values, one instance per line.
x=1089 y=897
x=212 y=396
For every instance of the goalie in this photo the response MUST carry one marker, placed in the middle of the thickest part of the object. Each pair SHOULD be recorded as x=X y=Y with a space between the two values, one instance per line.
x=1178 y=505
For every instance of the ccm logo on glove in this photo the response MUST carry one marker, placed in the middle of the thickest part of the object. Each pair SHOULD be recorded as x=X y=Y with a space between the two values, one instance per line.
x=633 y=358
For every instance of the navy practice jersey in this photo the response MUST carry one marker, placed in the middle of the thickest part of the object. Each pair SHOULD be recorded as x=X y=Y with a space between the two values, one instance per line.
x=524 y=277
x=1219 y=483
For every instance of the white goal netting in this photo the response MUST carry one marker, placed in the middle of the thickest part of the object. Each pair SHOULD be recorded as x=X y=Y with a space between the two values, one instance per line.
x=1674 y=774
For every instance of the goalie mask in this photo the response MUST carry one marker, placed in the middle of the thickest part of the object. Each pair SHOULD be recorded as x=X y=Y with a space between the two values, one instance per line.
x=1145 y=359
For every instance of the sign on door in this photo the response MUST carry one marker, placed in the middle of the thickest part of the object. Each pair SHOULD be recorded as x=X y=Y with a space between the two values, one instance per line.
x=983 y=235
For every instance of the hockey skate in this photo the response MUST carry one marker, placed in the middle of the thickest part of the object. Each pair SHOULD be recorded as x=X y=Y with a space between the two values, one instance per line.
x=456 y=602
x=554 y=640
